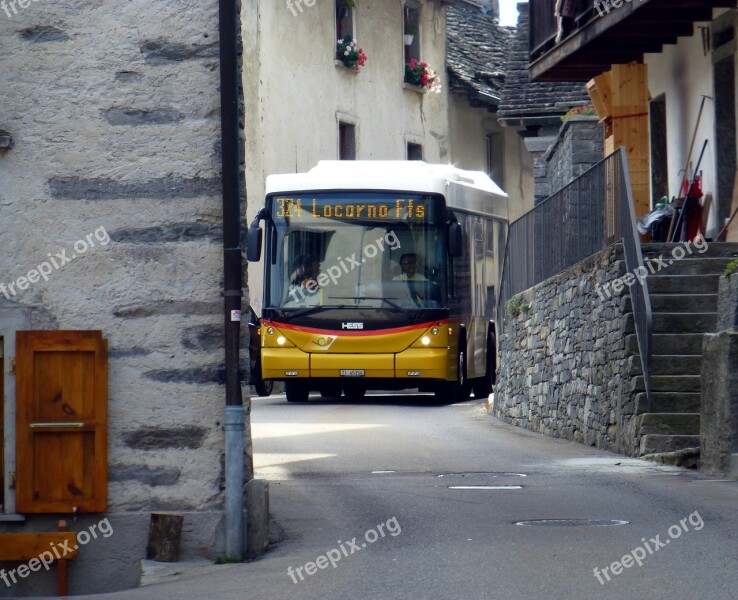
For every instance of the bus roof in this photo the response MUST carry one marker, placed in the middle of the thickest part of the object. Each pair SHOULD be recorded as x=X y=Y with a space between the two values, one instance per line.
x=409 y=176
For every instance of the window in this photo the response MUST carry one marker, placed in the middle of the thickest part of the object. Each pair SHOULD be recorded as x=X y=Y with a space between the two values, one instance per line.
x=344 y=19
x=414 y=151
x=411 y=31
x=346 y=141
x=494 y=156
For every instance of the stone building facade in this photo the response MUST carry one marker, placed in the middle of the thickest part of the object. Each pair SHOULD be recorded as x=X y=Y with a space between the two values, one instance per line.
x=112 y=158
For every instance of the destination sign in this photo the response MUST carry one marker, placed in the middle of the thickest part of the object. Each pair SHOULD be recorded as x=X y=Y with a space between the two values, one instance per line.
x=412 y=209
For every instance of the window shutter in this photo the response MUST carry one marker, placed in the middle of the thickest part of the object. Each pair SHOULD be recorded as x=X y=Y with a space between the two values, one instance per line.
x=61 y=421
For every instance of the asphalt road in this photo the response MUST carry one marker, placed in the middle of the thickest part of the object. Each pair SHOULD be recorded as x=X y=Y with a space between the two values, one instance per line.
x=341 y=470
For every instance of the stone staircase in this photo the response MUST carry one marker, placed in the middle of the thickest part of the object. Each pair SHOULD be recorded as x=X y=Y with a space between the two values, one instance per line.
x=684 y=306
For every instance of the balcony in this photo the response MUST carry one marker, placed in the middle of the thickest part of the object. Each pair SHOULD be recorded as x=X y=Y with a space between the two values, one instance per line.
x=620 y=36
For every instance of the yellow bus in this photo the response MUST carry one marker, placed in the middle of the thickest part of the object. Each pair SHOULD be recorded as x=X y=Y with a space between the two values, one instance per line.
x=380 y=275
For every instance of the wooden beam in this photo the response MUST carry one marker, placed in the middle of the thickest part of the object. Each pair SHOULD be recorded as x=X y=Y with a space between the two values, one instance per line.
x=630 y=128
x=600 y=91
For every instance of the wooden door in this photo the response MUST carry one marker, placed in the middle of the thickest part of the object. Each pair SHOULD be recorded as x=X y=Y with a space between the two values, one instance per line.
x=61 y=422
x=2 y=427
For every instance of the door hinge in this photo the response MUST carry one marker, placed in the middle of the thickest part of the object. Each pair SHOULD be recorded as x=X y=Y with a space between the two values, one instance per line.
x=11 y=362
x=11 y=480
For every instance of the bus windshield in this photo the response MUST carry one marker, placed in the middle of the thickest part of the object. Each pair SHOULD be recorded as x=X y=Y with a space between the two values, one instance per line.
x=356 y=249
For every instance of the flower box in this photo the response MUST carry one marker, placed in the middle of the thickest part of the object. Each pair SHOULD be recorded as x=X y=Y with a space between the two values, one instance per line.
x=349 y=53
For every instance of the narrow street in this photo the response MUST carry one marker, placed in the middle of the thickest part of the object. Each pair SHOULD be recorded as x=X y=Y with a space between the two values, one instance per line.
x=338 y=470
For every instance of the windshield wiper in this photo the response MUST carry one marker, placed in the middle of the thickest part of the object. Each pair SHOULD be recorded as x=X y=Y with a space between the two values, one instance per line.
x=312 y=309
x=387 y=300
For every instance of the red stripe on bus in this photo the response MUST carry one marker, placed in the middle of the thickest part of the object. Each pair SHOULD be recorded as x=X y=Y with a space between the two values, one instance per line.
x=354 y=333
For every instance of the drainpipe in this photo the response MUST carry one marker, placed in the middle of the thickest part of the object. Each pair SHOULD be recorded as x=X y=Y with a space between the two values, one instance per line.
x=234 y=420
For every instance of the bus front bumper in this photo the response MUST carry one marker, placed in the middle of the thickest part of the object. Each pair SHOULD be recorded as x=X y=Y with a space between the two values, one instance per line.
x=413 y=363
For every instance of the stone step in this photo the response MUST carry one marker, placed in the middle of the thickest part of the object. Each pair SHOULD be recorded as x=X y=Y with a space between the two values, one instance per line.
x=668 y=402
x=692 y=266
x=670 y=364
x=670 y=424
x=688 y=303
x=714 y=250
x=669 y=344
x=657 y=444
x=688 y=458
x=668 y=383
x=677 y=323
x=684 y=322
x=683 y=284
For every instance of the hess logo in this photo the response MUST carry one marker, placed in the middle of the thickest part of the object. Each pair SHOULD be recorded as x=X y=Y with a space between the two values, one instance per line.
x=352 y=326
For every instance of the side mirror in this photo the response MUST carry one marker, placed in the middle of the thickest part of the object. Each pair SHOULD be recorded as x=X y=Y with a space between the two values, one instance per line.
x=455 y=239
x=253 y=243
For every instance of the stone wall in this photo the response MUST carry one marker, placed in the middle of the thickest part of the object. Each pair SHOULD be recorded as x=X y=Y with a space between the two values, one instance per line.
x=565 y=368
x=559 y=157
x=114 y=111
x=579 y=146
x=719 y=408
x=728 y=303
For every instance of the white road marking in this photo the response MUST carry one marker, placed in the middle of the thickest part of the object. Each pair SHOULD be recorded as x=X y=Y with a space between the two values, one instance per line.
x=485 y=487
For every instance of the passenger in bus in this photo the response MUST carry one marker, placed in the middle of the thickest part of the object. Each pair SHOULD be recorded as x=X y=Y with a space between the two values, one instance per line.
x=408 y=264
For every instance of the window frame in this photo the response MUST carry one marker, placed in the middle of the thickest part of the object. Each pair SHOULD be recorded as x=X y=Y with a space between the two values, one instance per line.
x=494 y=157
x=347 y=119
x=413 y=146
x=339 y=5
x=413 y=50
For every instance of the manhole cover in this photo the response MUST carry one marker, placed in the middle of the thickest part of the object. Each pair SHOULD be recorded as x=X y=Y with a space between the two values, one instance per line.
x=572 y=523
x=483 y=474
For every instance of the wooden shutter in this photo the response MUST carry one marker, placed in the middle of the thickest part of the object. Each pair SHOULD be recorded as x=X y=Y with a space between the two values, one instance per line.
x=61 y=421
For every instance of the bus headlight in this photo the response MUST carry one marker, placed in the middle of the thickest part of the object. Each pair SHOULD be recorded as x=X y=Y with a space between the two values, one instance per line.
x=270 y=330
x=434 y=331
x=426 y=340
x=281 y=340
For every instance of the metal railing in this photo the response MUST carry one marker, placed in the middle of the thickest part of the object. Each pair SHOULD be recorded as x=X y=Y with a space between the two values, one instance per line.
x=594 y=211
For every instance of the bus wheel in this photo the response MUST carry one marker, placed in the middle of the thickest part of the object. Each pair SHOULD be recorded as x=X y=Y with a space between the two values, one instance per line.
x=483 y=386
x=451 y=392
x=296 y=390
x=264 y=388
x=354 y=392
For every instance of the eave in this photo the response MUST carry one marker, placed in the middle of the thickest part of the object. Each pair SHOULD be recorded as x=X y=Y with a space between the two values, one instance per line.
x=621 y=36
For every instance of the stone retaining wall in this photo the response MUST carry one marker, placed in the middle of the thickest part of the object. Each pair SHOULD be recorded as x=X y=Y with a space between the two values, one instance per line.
x=565 y=369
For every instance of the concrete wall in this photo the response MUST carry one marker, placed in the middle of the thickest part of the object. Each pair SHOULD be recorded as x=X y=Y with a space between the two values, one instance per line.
x=565 y=369
x=728 y=303
x=684 y=73
x=294 y=101
x=468 y=128
x=114 y=110
x=719 y=409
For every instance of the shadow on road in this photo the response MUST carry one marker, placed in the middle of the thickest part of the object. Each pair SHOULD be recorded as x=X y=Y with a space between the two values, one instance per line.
x=384 y=398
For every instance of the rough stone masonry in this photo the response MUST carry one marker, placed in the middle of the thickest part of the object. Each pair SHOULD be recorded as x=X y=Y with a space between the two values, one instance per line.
x=564 y=369
x=114 y=111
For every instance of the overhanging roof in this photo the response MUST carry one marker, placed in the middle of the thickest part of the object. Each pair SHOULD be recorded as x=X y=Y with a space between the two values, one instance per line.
x=621 y=36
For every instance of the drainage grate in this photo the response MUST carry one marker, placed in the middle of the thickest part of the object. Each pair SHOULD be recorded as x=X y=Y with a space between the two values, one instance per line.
x=572 y=523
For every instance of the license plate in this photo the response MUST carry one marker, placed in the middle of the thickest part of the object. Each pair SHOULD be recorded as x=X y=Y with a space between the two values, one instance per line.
x=352 y=372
